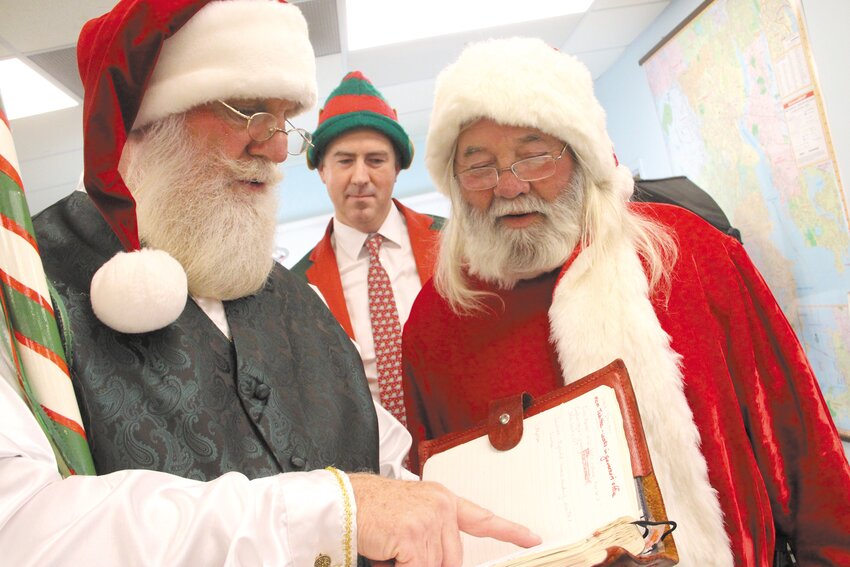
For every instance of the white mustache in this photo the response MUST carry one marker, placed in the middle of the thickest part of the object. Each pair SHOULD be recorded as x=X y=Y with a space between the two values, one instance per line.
x=256 y=171
x=519 y=206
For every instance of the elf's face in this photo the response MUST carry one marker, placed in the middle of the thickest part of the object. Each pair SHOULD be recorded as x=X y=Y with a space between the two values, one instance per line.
x=359 y=169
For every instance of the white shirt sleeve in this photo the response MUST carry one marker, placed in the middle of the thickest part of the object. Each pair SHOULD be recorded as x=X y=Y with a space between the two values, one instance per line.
x=150 y=518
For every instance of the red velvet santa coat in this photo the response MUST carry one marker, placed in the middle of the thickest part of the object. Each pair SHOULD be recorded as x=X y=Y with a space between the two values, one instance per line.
x=740 y=436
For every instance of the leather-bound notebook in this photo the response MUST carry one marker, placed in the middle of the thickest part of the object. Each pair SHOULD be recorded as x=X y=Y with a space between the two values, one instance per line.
x=572 y=465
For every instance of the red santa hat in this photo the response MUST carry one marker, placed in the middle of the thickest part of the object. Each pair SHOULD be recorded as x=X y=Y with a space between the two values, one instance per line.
x=522 y=82
x=145 y=60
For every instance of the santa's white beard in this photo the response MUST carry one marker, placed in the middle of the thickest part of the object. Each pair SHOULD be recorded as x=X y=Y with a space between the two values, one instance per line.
x=502 y=256
x=190 y=204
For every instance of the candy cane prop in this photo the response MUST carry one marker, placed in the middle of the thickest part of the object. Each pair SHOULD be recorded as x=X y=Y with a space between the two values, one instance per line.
x=37 y=351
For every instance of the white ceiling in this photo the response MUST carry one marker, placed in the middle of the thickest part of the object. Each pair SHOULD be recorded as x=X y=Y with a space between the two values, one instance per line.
x=44 y=32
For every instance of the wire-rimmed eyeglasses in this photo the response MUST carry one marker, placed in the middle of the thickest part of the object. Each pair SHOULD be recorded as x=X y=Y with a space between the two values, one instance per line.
x=263 y=125
x=529 y=169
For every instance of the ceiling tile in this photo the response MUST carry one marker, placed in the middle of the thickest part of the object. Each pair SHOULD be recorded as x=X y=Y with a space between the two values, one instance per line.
x=323 y=25
x=607 y=4
x=42 y=25
x=61 y=64
x=606 y=29
x=423 y=59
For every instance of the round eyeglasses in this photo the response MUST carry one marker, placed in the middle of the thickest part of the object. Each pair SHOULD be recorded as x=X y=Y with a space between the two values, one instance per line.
x=529 y=169
x=263 y=125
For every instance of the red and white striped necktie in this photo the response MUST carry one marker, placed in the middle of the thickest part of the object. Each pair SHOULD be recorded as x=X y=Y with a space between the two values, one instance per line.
x=386 y=332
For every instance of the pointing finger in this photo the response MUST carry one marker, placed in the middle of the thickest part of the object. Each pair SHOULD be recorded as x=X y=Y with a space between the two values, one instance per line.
x=478 y=521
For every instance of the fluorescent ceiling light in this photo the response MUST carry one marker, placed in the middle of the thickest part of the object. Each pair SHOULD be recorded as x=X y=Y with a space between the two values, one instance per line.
x=372 y=23
x=25 y=92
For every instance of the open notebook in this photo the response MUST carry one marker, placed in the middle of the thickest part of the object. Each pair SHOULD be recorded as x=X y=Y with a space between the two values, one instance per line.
x=572 y=465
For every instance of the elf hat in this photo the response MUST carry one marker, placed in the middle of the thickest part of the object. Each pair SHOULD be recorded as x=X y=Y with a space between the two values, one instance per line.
x=145 y=60
x=356 y=103
x=522 y=82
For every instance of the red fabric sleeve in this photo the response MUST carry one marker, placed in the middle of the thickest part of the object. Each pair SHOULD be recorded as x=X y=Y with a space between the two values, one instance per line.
x=794 y=439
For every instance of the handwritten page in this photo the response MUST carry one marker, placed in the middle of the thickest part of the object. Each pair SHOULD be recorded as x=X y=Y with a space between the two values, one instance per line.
x=569 y=475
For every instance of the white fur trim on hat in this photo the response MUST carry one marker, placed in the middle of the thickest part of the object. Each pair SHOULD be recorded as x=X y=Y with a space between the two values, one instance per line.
x=139 y=292
x=520 y=82
x=233 y=49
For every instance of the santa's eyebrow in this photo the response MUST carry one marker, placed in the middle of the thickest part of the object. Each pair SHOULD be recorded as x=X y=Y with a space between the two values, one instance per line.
x=527 y=139
x=472 y=150
x=531 y=138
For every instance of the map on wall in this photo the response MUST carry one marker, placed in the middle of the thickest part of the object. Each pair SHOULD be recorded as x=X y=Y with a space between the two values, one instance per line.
x=741 y=111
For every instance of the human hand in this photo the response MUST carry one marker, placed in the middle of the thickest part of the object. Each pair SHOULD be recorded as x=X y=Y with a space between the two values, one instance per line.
x=418 y=523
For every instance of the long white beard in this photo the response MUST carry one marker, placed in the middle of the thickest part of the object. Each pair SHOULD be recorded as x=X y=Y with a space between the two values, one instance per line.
x=190 y=204
x=502 y=256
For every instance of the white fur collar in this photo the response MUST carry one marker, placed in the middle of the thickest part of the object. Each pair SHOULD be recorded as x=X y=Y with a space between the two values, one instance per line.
x=602 y=314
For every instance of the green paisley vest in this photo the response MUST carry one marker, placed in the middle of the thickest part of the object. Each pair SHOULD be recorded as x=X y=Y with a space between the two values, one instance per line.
x=288 y=392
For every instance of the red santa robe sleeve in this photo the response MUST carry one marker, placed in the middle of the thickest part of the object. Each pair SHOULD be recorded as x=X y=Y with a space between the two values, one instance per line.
x=771 y=447
x=792 y=434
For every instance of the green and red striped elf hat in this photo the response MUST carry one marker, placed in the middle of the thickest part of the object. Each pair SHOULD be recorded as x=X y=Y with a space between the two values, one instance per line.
x=356 y=103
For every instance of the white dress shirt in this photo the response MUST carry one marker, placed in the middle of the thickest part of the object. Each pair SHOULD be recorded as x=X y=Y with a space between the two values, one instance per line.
x=352 y=259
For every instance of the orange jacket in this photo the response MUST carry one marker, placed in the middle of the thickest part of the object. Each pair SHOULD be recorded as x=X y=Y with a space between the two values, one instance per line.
x=319 y=266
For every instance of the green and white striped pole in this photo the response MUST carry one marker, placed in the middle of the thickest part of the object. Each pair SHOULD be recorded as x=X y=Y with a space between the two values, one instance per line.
x=37 y=352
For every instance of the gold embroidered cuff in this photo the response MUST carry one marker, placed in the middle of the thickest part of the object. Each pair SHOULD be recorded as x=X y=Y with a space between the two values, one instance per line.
x=347 y=511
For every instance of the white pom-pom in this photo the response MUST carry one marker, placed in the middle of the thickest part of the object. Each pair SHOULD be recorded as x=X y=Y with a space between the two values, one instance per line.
x=139 y=292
